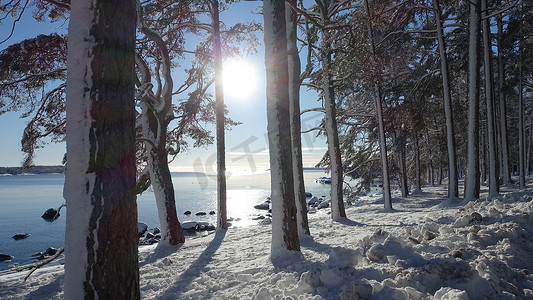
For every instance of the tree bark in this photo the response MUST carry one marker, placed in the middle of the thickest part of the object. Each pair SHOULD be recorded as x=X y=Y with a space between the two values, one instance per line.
x=472 y=184
x=503 y=107
x=222 y=222
x=294 y=69
x=494 y=185
x=284 y=224
x=332 y=134
x=381 y=126
x=418 y=185
x=101 y=230
x=453 y=181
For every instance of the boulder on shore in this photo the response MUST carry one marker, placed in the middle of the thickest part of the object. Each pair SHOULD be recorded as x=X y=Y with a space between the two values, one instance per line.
x=141 y=228
x=264 y=206
x=187 y=213
x=50 y=215
x=202 y=213
x=5 y=257
x=20 y=236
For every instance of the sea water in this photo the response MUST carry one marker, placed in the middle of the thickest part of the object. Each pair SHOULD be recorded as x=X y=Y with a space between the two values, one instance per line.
x=24 y=198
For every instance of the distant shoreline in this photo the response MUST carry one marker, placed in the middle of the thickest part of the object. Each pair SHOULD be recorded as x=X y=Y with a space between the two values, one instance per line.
x=32 y=170
x=61 y=169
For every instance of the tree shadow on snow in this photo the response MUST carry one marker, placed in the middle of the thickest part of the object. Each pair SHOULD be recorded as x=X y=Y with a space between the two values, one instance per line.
x=49 y=291
x=195 y=269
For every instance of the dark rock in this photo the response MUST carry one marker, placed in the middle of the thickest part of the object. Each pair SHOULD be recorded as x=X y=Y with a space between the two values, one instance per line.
x=141 y=228
x=457 y=253
x=4 y=257
x=187 y=213
x=157 y=230
x=202 y=213
x=21 y=236
x=263 y=206
x=149 y=235
x=429 y=235
x=50 y=251
x=50 y=215
x=212 y=212
x=475 y=218
x=308 y=195
x=190 y=226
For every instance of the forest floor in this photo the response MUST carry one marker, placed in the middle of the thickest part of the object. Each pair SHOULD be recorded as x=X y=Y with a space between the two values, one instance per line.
x=426 y=248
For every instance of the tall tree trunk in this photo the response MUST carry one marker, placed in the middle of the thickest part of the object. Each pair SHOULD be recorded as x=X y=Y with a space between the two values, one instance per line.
x=472 y=184
x=521 y=133
x=453 y=181
x=296 y=136
x=400 y=154
x=222 y=219
x=494 y=185
x=337 y=201
x=156 y=114
x=284 y=224
x=418 y=185
x=101 y=227
x=387 y=199
x=529 y=145
x=503 y=107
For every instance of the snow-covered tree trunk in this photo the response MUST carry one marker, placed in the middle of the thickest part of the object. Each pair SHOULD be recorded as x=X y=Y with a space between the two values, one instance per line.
x=506 y=171
x=222 y=218
x=472 y=184
x=453 y=181
x=294 y=68
x=161 y=179
x=387 y=199
x=494 y=185
x=284 y=225
x=155 y=117
x=332 y=133
x=101 y=228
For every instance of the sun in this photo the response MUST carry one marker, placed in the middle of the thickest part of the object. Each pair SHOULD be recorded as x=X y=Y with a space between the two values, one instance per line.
x=240 y=79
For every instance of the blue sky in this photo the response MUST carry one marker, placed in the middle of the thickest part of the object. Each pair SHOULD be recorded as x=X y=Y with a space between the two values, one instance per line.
x=246 y=144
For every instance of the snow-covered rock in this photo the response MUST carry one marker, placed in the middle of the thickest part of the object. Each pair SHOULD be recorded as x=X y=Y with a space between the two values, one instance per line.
x=141 y=228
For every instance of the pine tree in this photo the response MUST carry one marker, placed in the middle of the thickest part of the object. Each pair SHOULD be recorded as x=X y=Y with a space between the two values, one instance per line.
x=101 y=230
x=284 y=224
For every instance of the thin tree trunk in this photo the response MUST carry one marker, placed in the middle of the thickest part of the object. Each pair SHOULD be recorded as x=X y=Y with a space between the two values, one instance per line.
x=337 y=201
x=494 y=185
x=296 y=136
x=381 y=126
x=222 y=219
x=453 y=181
x=521 y=134
x=284 y=224
x=530 y=142
x=101 y=228
x=418 y=185
x=503 y=107
x=472 y=184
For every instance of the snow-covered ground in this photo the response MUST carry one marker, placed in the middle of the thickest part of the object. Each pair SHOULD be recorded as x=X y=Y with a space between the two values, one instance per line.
x=424 y=249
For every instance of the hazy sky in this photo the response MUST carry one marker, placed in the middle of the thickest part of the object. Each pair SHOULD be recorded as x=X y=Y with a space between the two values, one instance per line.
x=246 y=144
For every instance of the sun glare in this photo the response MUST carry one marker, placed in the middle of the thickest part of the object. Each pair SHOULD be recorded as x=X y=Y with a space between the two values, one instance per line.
x=240 y=80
